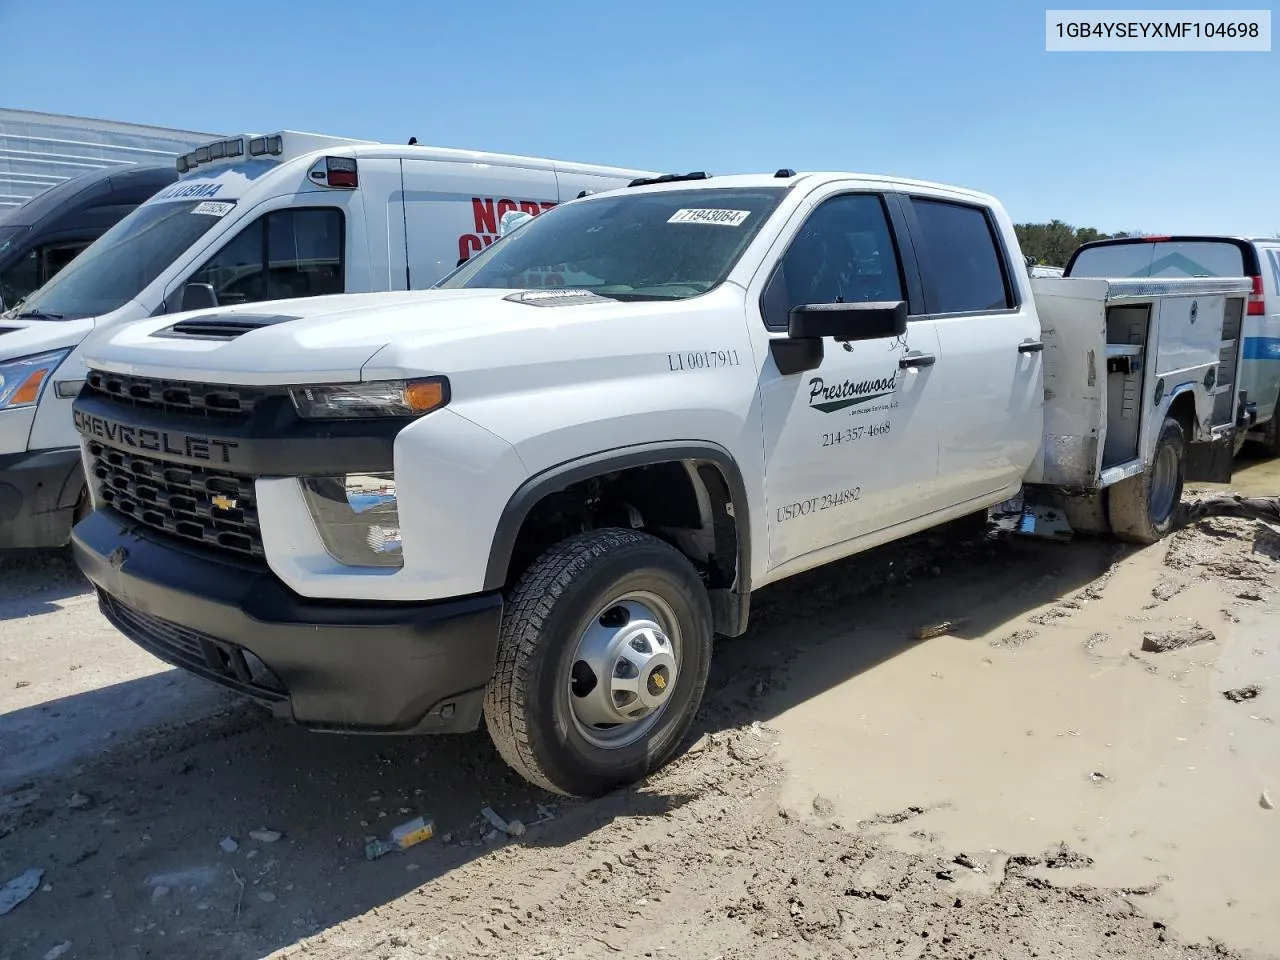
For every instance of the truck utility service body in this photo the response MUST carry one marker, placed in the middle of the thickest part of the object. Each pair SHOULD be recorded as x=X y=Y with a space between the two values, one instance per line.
x=251 y=219
x=1162 y=257
x=405 y=511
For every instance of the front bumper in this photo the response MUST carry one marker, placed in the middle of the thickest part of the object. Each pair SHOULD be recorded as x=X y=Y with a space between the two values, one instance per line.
x=326 y=664
x=38 y=494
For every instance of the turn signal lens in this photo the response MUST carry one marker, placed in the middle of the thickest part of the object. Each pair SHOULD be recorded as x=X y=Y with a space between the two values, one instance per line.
x=424 y=395
x=23 y=380
x=29 y=392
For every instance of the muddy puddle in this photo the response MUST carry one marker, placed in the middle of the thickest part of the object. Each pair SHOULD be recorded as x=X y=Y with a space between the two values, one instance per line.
x=1046 y=723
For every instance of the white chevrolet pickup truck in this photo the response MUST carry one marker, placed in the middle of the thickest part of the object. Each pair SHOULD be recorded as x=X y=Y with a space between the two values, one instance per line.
x=533 y=507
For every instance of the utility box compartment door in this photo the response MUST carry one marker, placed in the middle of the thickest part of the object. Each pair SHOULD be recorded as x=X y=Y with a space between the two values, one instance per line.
x=1074 y=331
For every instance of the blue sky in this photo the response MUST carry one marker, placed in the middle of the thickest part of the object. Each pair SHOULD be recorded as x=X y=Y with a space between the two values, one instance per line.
x=962 y=93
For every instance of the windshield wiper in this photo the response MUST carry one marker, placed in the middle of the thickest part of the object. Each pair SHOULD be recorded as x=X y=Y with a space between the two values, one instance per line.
x=38 y=315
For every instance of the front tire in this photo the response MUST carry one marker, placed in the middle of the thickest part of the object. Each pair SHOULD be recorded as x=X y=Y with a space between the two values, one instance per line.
x=602 y=662
x=1142 y=508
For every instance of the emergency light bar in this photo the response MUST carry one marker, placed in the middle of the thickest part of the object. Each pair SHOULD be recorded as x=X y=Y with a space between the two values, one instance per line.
x=258 y=145
x=230 y=149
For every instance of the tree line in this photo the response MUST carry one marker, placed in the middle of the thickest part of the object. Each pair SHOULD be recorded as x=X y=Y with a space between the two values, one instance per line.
x=1052 y=243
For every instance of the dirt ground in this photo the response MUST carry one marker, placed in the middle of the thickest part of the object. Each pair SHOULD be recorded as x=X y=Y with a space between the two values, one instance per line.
x=1029 y=783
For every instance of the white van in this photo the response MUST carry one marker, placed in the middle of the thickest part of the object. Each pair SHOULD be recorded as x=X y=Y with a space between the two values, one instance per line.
x=1214 y=256
x=251 y=218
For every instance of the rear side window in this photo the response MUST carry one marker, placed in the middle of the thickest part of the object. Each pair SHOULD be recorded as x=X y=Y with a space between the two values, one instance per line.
x=966 y=270
x=286 y=254
x=1188 y=258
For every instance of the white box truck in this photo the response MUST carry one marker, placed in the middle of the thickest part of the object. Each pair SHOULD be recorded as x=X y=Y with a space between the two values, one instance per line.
x=251 y=218
x=528 y=508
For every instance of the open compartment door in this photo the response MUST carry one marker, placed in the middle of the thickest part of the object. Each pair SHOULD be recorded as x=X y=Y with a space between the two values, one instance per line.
x=1073 y=328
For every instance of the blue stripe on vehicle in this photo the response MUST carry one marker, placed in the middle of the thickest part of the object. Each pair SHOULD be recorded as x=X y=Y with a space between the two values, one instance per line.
x=1262 y=348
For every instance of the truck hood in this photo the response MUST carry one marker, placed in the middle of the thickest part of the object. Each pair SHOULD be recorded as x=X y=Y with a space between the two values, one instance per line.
x=330 y=339
x=26 y=338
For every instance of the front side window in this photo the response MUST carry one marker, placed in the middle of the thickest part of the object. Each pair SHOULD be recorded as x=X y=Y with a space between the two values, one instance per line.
x=963 y=259
x=282 y=255
x=121 y=263
x=56 y=256
x=20 y=279
x=844 y=253
x=667 y=245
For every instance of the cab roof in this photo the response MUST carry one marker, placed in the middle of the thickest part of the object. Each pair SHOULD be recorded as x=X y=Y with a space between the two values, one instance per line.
x=790 y=178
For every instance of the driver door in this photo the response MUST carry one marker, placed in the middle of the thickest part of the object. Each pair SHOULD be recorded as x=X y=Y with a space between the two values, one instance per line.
x=851 y=445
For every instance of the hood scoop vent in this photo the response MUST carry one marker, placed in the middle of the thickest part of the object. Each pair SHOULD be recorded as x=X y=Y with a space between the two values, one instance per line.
x=4 y=330
x=221 y=327
x=556 y=298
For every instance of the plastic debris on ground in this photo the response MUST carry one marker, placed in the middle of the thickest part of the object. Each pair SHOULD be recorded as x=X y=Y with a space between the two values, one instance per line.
x=513 y=828
x=19 y=888
x=402 y=837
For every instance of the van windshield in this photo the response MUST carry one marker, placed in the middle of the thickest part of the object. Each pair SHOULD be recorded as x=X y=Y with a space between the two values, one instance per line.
x=1176 y=258
x=633 y=246
x=124 y=260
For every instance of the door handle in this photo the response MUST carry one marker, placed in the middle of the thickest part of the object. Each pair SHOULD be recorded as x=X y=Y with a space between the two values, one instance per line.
x=917 y=361
x=1031 y=346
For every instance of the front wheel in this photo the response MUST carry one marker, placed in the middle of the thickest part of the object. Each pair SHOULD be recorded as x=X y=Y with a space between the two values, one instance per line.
x=1141 y=508
x=602 y=662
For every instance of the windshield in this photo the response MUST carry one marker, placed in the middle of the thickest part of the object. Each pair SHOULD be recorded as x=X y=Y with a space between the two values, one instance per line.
x=120 y=264
x=639 y=246
x=1186 y=258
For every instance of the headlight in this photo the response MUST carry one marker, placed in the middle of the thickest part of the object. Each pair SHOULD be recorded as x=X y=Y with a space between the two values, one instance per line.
x=22 y=380
x=357 y=517
x=387 y=398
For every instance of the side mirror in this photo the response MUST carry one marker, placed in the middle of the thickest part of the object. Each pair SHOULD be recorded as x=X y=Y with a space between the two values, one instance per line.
x=511 y=220
x=848 y=321
x=198 y=296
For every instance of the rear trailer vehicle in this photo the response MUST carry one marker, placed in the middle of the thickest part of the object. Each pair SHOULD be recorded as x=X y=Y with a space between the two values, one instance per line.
x=249 y=219
x=1214 y=256
x=534 y=508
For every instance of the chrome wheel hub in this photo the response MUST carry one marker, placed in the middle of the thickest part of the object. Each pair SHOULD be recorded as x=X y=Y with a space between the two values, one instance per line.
x=624 y=670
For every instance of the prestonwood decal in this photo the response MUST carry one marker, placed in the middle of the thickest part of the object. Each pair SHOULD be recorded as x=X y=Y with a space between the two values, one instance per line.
x=849 y=392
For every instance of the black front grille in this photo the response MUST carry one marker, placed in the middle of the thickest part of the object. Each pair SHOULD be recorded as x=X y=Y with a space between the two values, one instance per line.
x=211 y=400
x=197 y=652
x=210 y=507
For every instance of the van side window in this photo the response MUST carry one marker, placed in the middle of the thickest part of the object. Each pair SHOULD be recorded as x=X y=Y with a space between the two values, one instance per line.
x=962 y=258
x=843 y=253
x=296 y=252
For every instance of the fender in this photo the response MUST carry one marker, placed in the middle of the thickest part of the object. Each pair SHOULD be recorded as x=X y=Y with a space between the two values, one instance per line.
x=730 y=611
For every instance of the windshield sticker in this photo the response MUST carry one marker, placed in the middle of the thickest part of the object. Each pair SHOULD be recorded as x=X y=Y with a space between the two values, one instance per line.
x=214 y=208
x=721 y=218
